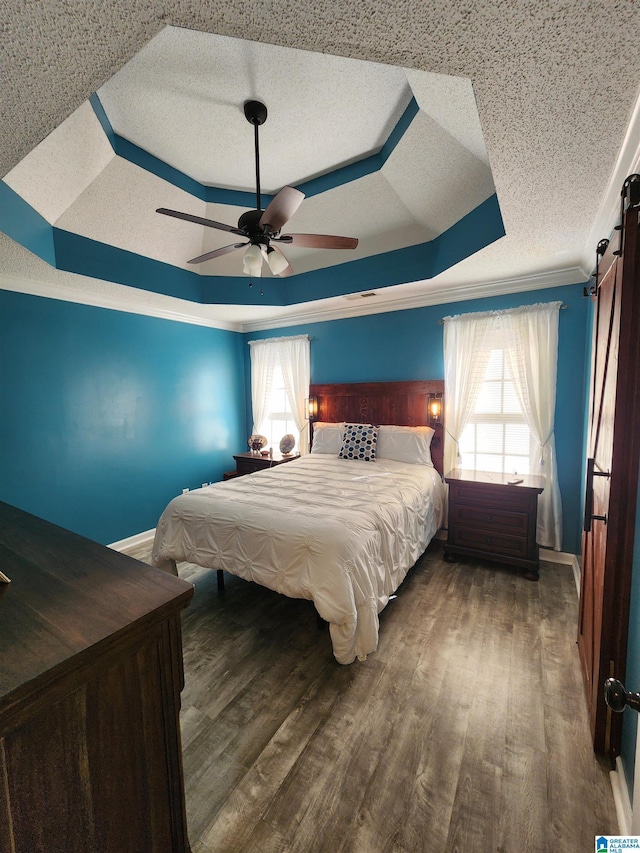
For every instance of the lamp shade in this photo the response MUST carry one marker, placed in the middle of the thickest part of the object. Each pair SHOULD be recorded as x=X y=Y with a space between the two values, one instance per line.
x=252 y=260
x=277 y=262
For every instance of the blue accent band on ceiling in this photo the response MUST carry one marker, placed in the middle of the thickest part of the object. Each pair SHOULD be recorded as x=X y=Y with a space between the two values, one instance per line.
x=139 y=157
x=479 y=228
x=103 y=118
x=367 y=166
x=218 y=195
x=25 y=225
x=77 y=254
x=400 y=129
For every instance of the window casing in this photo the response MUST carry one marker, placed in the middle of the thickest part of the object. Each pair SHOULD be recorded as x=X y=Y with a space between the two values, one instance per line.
x=496 y=437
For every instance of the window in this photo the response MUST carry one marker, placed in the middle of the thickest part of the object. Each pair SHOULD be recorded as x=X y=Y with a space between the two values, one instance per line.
x=279 y=387
x=496 y=437
x=500 y=391
x=279 y=419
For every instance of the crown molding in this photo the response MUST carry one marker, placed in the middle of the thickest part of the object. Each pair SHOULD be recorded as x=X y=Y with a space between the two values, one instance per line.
x=608 y=215
x=435 y=296
x=125 y=304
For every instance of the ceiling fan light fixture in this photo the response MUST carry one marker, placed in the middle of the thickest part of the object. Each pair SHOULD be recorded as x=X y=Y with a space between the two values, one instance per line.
x=277 y=262
x=258 y=227
x=253 y=260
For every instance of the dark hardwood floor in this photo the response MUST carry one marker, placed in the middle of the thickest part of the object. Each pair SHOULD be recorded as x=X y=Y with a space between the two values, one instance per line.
x=466 y=731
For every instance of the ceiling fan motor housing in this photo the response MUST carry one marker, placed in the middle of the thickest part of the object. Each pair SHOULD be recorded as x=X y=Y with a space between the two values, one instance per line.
x=249 y=222
x=255 y=112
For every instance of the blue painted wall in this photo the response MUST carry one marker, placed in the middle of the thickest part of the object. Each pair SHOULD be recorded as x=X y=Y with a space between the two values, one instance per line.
x=106 y=416
x=408 y=345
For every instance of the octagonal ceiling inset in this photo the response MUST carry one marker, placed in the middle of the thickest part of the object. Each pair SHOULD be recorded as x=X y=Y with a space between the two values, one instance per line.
x=394 y=157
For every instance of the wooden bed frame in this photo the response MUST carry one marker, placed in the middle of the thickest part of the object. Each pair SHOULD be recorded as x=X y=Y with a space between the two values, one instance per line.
x=398 y=403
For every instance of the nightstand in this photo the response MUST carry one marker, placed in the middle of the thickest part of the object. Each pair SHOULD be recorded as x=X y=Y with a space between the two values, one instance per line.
x=493 y=520
x=247 y=463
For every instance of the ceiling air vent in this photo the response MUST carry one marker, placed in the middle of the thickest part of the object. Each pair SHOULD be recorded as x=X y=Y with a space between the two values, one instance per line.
x=354 y=296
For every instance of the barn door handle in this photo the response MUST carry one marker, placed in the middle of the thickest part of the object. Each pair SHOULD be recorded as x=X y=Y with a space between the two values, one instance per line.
x=617 y=698
x=588 y=498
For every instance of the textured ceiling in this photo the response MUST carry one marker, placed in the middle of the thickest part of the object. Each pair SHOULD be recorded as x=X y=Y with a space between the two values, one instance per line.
x=555 y=86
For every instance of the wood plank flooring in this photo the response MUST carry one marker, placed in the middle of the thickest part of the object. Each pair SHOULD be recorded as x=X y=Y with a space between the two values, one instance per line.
x=466 y=730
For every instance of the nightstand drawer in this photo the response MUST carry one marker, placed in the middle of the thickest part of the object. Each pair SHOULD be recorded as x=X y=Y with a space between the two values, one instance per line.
x=248 y=466
x=492 y=542
x=496 y=520
x=500 y=497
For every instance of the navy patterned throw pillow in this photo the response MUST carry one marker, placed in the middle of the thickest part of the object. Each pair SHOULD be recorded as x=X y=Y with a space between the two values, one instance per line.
x=359 y=442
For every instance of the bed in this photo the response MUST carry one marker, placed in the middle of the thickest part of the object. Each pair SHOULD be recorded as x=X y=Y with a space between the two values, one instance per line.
x=340 y=531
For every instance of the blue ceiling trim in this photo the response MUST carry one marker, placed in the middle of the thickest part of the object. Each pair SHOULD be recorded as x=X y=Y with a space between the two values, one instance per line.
x=366 y=166
x=479 y=228
x=400 y=129
x=82 y=255
x=218 y=195
x=103 y=118
x=25 y=225
x=139 y=157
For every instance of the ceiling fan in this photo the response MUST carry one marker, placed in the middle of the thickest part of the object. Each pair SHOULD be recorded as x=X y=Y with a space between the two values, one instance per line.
x=261 y=228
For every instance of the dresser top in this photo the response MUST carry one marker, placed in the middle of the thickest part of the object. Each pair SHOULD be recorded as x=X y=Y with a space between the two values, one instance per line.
x=489 y=478
x=69 y=596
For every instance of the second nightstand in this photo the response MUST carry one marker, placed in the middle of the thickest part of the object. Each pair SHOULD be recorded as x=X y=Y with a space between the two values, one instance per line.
x=494 y=520
x=247 y=463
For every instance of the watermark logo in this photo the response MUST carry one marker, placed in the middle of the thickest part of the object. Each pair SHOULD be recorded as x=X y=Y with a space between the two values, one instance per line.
x=616 y=843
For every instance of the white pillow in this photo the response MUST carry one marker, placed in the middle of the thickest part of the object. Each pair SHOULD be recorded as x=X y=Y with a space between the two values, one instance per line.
x=405 y=444
x=327 y=438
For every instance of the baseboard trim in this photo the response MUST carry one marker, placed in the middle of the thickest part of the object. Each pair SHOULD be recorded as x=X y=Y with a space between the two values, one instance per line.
x=624 y=809
x=124 y=545
x=565 y=560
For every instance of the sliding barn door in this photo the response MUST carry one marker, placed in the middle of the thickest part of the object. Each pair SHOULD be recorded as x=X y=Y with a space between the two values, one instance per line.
x=613 y=453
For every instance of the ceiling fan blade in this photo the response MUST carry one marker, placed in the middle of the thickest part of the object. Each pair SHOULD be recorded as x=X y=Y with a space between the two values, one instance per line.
x=216 y=253
x=319 y=241
x=280 y=209
x=200 y=220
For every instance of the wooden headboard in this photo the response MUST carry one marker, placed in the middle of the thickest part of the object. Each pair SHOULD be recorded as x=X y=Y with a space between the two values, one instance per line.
x=399 y=403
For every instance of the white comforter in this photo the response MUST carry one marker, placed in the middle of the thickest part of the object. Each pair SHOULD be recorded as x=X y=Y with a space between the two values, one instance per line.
x=340 y=533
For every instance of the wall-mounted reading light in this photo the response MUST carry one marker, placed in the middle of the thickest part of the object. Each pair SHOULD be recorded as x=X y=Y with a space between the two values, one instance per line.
x=434 y=407
x=312 y=407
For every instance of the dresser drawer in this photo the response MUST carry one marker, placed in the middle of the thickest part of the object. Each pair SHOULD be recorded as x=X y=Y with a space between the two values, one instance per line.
x=492 y=542
x=498 y=497
x=498 y=520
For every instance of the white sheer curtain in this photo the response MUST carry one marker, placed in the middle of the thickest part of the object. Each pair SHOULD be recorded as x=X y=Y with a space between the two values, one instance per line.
x=466 y=355
x=295 y=361
x=264 y=357
x=528 y=337
x=293 y=356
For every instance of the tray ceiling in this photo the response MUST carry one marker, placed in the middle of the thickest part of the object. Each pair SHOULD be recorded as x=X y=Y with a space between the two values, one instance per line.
x=476 y=102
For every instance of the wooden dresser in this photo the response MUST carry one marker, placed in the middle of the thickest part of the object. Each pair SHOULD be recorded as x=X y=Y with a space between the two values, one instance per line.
x=90 y=681
x=492 y=519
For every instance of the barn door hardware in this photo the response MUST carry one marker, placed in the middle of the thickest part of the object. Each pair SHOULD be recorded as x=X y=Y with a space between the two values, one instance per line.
x=617 y=698
x=588 y=500
x=630 y=197
x=592 y=288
